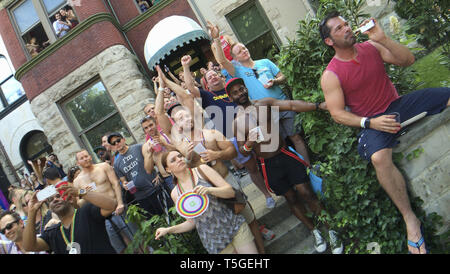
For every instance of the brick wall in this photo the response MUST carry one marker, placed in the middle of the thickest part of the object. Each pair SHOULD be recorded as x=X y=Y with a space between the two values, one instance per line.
x=69 y=57
x=11 y=40
x=138 y=35
x=125 y=10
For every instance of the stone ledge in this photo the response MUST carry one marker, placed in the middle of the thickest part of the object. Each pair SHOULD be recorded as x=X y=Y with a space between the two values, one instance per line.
x=422 y=128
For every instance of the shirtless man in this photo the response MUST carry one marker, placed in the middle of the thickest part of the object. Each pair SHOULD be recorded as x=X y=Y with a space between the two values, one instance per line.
x=284 y=171
x=187 y=134
x=151 y=148
x=102 y=178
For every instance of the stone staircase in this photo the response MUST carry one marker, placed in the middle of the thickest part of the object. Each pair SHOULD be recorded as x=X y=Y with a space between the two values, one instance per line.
x=291 y=236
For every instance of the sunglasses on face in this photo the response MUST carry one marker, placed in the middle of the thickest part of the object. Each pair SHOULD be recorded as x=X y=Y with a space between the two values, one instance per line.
x=8 y=227
x=116 y=141
x=256 y=73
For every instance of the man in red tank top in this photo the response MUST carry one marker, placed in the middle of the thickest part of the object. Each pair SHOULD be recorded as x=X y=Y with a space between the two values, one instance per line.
x=356 y=78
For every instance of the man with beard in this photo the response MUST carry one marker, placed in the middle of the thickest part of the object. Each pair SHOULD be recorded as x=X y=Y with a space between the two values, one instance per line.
x=102 y=178
x=81 y=231
x=356 y=78
x=284 y=171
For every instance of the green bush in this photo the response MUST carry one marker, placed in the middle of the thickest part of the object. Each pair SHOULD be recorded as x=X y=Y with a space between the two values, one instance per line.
x=428 y=19
x=356 y=204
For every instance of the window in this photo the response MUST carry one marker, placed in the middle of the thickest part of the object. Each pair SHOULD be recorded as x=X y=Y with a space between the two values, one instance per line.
x=37 y=25
x=144 y=5
x=254 y=30
x=91 y=113
x=10 y=89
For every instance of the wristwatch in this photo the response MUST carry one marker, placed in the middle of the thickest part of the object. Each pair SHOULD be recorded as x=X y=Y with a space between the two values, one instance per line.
x=81 y=193
x=367 y=123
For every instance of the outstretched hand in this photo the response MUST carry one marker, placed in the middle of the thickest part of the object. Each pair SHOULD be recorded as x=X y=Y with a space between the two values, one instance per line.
x=213 y=30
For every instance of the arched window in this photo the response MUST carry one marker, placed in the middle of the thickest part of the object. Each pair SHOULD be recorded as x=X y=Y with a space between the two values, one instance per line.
x=33 y=146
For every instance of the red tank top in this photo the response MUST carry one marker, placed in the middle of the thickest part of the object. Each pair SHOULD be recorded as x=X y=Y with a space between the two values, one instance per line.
x=367 y=88
x=226 y=48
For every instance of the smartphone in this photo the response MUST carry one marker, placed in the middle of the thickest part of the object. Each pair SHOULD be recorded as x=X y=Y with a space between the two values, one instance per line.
x=199 y=148
x=46 y=193
x=367 y=26
x=93 y=186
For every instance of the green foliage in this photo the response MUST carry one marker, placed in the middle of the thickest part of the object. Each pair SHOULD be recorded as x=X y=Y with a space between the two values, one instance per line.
x=428 y=19
x=356 y=204
x=144 y=239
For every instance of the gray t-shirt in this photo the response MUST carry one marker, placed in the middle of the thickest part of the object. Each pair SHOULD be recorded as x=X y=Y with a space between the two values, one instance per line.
x=131 y=166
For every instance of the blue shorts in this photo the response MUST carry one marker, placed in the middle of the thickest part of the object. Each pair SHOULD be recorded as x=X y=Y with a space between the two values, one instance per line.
x=431 y=100
x=241 y=159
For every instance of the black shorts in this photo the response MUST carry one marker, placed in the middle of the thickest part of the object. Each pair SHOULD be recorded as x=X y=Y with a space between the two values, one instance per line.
x=431 y=100
x=283 y=171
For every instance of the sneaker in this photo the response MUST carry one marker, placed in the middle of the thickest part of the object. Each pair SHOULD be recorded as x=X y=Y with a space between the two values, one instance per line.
x=270 y=202
x=319 y=244
x=336 y=244
x=266 y=233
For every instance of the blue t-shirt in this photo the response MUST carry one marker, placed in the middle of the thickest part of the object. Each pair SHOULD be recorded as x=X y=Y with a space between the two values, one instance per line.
x=265 y=69
x=220 y=109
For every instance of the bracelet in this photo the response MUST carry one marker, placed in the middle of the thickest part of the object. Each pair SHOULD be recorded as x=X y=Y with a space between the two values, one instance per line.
x=161 y=89
x=246 y=148
x=317 y=106
x=363 y=121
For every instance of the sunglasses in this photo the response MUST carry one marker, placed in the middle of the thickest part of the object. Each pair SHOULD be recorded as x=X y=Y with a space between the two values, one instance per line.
x=8 y=226
x=116 y=141
x=256 y=73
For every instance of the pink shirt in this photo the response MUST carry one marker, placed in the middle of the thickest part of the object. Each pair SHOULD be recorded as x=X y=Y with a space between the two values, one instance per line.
x=367 y=88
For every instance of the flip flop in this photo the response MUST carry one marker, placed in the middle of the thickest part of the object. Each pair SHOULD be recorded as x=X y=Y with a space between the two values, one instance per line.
x=419 y=243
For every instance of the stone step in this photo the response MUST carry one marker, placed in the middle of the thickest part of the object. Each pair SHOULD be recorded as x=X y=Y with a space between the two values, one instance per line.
x=291 y=236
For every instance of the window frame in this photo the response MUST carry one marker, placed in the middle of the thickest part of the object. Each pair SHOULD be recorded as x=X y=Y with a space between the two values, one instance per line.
x=9 y=107
x=234 y=13
x=79 y=134
x=44 y=20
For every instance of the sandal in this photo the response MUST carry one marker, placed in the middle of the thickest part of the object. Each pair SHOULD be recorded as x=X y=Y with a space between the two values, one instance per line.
x=419 y=243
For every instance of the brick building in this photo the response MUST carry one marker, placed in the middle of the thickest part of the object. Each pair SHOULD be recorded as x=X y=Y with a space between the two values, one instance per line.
x=83 y=80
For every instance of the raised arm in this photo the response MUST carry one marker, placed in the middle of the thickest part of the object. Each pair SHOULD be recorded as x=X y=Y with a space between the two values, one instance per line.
x=391 y=52
x=186 y=99
x=30 y=241
x=161 y=117
x=218 y=51
x=149 y=164
x=188 y=79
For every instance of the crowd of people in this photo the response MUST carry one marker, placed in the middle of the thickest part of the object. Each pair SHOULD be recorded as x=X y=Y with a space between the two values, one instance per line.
x=201 y=132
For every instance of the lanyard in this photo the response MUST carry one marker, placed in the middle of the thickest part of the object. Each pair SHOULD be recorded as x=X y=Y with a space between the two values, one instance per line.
x=180 y=189
x=72 y=231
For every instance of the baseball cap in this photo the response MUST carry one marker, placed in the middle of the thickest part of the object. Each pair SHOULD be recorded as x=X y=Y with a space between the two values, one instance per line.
x=232 y=82
x=114 y=134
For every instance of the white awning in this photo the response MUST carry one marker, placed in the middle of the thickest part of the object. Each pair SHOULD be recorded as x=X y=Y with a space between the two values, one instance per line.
x=169 y=34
